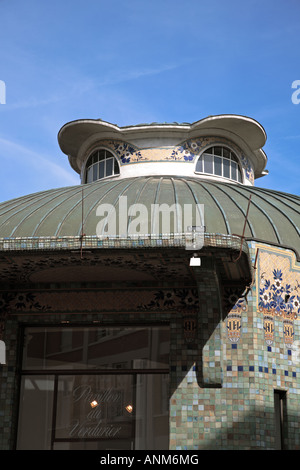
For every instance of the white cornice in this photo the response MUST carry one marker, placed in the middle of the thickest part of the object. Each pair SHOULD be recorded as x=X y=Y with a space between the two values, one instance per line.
x=246 y=132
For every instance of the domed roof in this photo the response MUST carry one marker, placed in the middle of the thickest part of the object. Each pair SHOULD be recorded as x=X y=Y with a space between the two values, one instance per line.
x=274 y=217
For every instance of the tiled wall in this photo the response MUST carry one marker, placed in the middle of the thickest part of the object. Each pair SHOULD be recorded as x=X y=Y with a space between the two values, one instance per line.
x=240 y=415
x=222 y=379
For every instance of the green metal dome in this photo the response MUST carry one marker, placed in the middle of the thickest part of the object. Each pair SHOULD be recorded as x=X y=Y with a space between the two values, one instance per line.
x=273 y=217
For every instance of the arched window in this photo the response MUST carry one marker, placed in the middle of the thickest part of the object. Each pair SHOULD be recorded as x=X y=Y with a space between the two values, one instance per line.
x=101 y=164
x=219 y=161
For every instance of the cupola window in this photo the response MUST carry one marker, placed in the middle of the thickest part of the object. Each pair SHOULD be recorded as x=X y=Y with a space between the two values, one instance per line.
x=101 y=164
x=219 y=161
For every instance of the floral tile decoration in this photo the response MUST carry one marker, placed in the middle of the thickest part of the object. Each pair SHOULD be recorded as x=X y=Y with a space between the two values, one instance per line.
x=187 y=152
x=278 y=280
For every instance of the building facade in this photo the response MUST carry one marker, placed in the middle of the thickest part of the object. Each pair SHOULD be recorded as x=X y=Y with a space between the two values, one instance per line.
x=155 y=305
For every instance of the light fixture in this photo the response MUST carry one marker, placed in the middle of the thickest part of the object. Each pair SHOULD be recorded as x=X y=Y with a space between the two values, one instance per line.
x=129 y=408
x=94 y=403
x=195 y=260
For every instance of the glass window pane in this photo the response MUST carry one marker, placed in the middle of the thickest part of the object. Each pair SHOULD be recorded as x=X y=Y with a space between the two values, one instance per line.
x=226 y=168
x=199 y=165
x=218 y=151
x=233 y=170
x=109 y=167
x=101 y=169
x=112 y=411
x=95 y=157
x=99 y=348
x=103 y=164
x=226 y=153
x=35 y=415
x=152 y=412
x=95 y=171
x=218 y=166
x=208 y=163
x=109 y=411
x=233 y=157
x=101 y=154
x=95 y=407
x=210 y=150
x=116 y=167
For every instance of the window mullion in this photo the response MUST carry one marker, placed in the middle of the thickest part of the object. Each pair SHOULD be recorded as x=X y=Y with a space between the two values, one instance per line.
x=228 y=162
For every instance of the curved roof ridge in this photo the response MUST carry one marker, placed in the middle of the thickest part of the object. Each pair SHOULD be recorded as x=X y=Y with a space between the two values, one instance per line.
x=217 y=203
x=280 y=211
x=77 y=203
x=128 y=182
x=280 y=194
x=194 y=197
x=265 y=213
x=21 y=209
x=243 y=211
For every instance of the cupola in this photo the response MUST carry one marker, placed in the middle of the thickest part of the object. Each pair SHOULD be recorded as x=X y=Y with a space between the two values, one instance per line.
x=226 y=148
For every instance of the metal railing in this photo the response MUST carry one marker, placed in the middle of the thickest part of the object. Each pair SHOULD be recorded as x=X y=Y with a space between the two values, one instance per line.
x=181 y=240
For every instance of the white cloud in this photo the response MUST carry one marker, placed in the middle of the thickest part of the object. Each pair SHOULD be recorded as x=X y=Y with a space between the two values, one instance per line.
x=121 y=76
x=36 y=162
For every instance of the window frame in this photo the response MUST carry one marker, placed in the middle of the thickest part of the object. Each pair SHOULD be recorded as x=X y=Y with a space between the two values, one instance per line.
x=280 y=415
x=58 y=375
x=233 y=158
x=96 y=165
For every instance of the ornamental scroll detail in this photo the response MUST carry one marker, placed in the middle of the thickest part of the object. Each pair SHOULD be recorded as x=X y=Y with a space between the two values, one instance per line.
x=279 y=296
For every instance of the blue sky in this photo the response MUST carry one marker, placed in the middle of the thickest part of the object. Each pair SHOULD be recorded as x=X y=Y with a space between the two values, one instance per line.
x=136 y=61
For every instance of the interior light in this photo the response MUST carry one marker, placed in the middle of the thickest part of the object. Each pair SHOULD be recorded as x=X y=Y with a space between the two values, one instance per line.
x=94 y=403
x=129 y=408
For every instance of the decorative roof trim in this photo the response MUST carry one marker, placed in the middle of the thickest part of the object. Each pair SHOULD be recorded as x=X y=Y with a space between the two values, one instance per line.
x=245 y=131
x=169 y=240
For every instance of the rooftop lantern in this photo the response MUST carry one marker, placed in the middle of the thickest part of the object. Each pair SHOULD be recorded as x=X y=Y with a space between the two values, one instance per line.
x=224 y=148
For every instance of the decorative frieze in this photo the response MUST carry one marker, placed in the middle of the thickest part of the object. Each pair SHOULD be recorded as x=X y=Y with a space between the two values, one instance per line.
x=187 y=151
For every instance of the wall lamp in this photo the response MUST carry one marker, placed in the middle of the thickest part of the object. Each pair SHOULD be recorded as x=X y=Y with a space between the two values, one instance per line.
x=195 y=260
